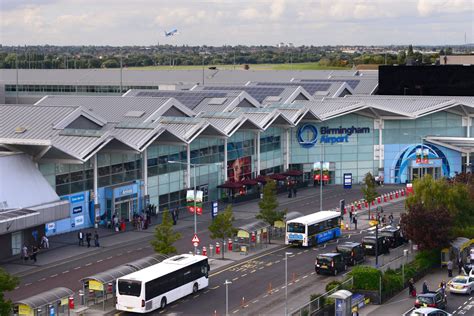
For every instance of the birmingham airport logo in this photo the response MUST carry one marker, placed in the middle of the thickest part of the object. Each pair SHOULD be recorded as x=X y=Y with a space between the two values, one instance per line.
x=307 y=134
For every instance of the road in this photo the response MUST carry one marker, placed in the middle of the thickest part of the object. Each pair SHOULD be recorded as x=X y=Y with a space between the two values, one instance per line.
x=458 y=304
x=252 y=281
x=69 y=272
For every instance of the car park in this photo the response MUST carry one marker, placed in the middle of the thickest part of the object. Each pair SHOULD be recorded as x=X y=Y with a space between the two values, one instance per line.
x=461 y=284
x=369 y=242
x=429 y=311
x=431 y=299
x=331 y=263
x=353 y=252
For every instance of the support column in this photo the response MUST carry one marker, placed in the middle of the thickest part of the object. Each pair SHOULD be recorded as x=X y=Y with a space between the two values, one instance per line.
x=468 y=162
x=468 y=127
x=145 y=172
x=188 y=166
x=287 y=149
x=257 y=149
x=96 y=191
x=225 y=160
x=380 y=144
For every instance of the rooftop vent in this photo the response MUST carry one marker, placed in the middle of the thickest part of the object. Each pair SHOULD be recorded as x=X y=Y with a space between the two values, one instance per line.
x=217 y=101
x=134 y=114
x=20 y=130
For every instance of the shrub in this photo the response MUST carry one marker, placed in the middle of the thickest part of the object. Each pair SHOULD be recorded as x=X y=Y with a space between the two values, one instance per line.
x=366 y=278
x=333 y=284
x=391 y=282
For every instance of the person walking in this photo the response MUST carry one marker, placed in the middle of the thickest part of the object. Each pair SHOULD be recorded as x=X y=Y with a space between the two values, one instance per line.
x=115 y=221
x=24 y=252
x=460 y=265
x=44 y=242
x=80 y=236
x=88 y=238
x=354 y=220
x=450 y=268
x=411 y=288
x=122 y=224
x=442 y=287
x=425 y=287
x=390 y=219
x=34 y=253
x=96 y=239
x=173 y=216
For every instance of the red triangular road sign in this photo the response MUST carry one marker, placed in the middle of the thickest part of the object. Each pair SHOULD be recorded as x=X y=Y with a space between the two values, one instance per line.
x=195 y=239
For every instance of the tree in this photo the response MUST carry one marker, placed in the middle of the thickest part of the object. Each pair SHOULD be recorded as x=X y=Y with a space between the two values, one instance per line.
x=164 y=236
x=222 y=226
x=368 y=189
x=410 y=50
x=429 y=228
x=7 y=283
x=268 y=205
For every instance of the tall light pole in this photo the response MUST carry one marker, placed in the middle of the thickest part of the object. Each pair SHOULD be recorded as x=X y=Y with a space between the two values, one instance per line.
x=286 y=281
x=194 y=165
x=226 y=283
x=321 y=179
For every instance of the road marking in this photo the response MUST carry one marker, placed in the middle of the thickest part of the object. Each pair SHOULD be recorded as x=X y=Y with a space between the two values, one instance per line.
x=292 y=256
x=206 y=291
x=283 y=287
x=140 y=248
x=235 y=279
x=265 y=295
x=77 y=268
x=28 y=284
x=215 y=287
x=129 y=251
x=253 y=271
x=17 y=288
x=297 y=280
x=108 y=258
x=42 y=279
x=246 y=305
x=197 y=295
x=306 y=250
x=53 y=276
x=243 y=275
x=64 y=272
x=304 y=277
x=235 y=311
x=313 y=273
x=88 y=264
x=161 y=312
x=299 y=253
x=278 y=261
x=99 y=260
x=276 y=290
x=261 y=268
x=118 y=255
x=255 y=301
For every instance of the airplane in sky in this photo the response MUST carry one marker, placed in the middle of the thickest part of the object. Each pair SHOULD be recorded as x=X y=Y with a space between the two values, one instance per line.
x=172 y=32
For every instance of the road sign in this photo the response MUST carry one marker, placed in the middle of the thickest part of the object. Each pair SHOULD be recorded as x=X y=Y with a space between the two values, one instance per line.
x=215 y=209
x=195 y=239
x=195 y=244
x=347 y=180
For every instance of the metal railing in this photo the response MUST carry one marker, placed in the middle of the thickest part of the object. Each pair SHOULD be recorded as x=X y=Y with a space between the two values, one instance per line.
x=321 y=301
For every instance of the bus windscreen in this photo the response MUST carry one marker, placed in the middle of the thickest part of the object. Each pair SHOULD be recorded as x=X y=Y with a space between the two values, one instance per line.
x=129 y=287
x=296 y=228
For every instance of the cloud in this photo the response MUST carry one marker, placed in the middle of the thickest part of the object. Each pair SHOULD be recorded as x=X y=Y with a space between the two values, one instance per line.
x=429 y=7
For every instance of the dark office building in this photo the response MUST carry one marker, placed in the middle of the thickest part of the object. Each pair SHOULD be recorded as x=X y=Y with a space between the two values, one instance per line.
x=453 y=80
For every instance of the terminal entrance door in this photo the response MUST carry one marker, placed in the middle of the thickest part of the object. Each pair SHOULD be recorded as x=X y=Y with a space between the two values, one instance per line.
x=420 y=172
x=125 y=208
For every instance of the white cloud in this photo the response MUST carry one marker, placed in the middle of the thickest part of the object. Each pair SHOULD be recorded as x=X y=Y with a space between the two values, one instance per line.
x=429 y=7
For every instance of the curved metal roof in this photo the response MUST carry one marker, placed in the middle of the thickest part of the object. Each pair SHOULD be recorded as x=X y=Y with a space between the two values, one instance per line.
x=253 y=226
x=146 y=262
x=45 y=298
x=111 y=274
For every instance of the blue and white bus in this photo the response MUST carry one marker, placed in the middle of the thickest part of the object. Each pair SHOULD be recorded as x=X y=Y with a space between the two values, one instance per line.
x=313 y=229
x=156 y=286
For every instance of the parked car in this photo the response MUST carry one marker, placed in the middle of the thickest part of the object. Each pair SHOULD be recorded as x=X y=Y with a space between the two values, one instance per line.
x=431 y=299
x=369 y=242
x=331 y=263
x=429 y=311
x=353 y=252
x=461 y=284
x=393 y=235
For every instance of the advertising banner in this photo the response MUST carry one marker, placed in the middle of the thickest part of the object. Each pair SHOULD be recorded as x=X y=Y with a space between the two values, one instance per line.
x=190 y=201
x=239 y=169
x=317 y=171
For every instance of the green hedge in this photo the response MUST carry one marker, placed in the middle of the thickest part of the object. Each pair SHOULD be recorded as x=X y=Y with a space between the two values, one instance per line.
x=366 y=278
x=333 y=284
x=392 y=282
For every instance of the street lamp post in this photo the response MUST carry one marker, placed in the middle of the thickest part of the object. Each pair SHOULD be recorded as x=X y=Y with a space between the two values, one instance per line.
x=321 y=179
x=193 y=165
x=227 y=282
x=286 y=281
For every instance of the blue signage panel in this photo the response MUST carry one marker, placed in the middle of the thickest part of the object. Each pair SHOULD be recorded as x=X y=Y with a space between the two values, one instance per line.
x=307 y=134
x=328 y=235
x=347 y=180
x=77 y=198
x=215 y=209
x=295 y=237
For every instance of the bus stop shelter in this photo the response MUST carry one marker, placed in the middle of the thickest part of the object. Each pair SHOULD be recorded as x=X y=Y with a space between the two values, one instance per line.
x=102 y=284
x=52 y=302
x=252 y=234
x=280 y=225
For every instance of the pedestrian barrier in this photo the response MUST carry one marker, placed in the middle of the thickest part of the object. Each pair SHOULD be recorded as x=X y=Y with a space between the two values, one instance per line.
x=204 y=251
x=270 y=291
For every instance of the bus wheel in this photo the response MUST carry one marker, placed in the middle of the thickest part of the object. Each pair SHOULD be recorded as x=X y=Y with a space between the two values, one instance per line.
x=163 y=303
x=195 y=288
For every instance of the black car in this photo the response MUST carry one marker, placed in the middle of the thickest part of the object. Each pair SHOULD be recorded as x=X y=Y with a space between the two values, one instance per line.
x=368 y=242
x=353 y=252
x=393 y=235
x=331 y=263
x=431 y=299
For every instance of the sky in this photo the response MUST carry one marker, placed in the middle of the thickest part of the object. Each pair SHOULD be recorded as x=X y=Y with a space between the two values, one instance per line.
x=233 y=22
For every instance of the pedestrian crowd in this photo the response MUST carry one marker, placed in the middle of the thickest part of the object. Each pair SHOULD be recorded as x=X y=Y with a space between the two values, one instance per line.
x=30 y=252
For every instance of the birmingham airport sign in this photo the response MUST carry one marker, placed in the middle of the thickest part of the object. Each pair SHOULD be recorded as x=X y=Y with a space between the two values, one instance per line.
x=307 y=134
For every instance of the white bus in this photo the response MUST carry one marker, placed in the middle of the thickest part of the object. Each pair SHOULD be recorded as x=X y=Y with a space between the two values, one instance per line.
x=313 y=229
x=148 y=289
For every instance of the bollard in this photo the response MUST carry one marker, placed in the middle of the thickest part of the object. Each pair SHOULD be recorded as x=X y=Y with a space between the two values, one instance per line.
x=229 y=244
x=391 y=196
x=396 y=194
x=215 y=313
x=379 y=200
x=204 y=251
x=218 y=248
x=270 y=288
x=71 y=302
x=385 y=197
x=373 y=203
x=211 y=250
x=242 y=302
x=366 y=204
x=359 y=207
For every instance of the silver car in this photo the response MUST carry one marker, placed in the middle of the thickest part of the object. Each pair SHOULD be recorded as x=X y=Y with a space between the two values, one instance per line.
x=461 y=284
x=429 y=311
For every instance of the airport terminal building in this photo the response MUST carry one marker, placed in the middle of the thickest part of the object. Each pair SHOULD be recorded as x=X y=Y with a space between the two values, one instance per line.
x=116 y=154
